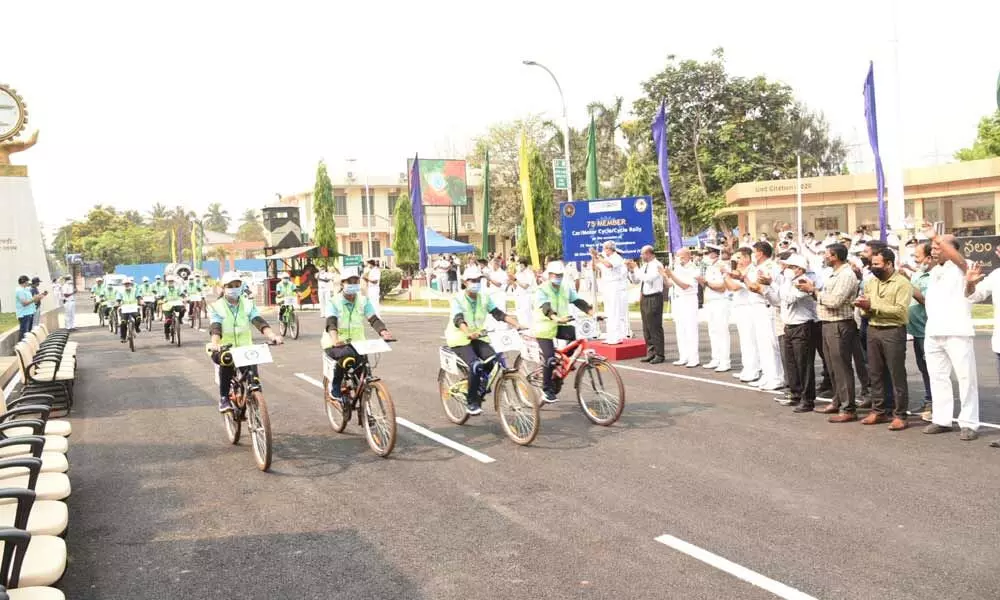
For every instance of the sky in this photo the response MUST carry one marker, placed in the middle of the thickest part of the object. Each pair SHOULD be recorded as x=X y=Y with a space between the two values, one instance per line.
x=188 y=103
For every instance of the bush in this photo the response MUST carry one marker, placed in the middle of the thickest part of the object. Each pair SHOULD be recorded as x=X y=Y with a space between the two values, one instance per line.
x=391 y=279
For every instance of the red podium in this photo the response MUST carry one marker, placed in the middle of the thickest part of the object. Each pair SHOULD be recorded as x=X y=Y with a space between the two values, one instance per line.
x=629 y=348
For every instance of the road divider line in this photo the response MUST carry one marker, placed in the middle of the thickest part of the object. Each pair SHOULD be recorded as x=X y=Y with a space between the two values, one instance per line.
x=437 y=437
x=752 y=577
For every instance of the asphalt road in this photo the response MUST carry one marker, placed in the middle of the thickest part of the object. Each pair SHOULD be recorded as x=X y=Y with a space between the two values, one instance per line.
x=163 y=507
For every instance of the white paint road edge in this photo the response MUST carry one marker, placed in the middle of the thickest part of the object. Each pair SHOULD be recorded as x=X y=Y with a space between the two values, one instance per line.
x=752 y=577
x=738 y=386
x=437 y=437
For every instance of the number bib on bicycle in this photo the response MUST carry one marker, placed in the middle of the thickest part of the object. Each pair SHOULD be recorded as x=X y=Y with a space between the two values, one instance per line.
x=236 y=321
x=545 y=328
x=474 y=312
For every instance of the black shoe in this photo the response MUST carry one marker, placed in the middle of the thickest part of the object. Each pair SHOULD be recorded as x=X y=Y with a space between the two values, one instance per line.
x=824 y=390
x=122 y=340
x=647 y=359
x=803 y=408
x=656 y=360
x=475 y=409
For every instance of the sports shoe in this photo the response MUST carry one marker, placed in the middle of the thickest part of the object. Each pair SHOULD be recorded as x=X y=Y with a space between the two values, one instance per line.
x=225 y=405
x=549 y=398
x=679 y=363
x=475 y=409
x=712 y=365
x=722 y=368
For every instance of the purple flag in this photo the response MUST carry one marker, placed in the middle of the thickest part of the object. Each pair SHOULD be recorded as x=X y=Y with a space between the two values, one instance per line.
x=418 y=211
x=673 y=227
x=872 y=123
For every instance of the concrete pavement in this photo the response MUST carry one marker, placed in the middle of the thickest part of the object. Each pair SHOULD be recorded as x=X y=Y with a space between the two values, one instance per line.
x=164 y=507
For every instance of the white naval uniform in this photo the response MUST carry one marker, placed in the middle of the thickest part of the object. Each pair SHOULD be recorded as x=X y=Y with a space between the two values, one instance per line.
x=69 y=304
x=323 y=284
x=948 y=347
x=497 y=280
x=765 y=336
x=524 y=296
x=374 y=291
x=717 y=307
x=745 y=328
x=684 y=308
x=613 y=282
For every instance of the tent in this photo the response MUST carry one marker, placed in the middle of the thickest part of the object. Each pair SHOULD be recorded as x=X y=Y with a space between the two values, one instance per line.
x=438 y=244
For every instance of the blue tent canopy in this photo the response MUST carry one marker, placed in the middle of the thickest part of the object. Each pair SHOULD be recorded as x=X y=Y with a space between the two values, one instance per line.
x=438 y=244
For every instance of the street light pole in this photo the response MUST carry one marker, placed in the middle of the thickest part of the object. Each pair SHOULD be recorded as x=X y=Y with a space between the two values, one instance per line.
x=798 y=192
x=562 y=98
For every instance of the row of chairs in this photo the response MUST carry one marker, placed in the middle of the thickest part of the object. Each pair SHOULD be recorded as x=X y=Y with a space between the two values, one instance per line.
x=34 y=484
x=47 y=364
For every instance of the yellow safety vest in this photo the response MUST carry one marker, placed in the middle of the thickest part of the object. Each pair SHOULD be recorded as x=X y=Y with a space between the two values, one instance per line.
x=475 y=317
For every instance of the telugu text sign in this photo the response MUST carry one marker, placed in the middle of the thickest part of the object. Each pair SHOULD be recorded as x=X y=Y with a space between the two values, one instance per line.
x=628 y=222
x=981 y=249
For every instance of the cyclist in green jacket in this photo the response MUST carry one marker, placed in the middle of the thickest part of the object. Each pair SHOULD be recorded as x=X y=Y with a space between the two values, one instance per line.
x=285 y=290
x=128 y=297
x=552 y=300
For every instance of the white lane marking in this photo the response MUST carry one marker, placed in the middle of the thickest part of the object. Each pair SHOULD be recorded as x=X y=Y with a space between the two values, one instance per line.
x=752 y=577
x=743 y=387
x=437 y=437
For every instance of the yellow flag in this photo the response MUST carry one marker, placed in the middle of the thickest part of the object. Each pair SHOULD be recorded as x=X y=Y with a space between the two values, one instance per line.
x=173 y=245
x=529 y=214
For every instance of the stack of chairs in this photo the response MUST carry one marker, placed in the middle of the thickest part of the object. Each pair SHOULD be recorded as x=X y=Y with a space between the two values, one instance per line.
x=47 y=364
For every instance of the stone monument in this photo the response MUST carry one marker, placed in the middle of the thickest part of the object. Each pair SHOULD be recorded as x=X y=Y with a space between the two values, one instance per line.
x=21 y=249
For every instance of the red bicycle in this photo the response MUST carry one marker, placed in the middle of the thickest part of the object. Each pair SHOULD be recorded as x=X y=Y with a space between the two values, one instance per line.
x=595 y=375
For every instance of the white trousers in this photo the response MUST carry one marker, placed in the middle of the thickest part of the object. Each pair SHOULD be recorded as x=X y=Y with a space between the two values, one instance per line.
x=612 y=311
x=524 y=309
x=69 y=313
x=324 y=297
x=748 y=345
x=766 y=342
x=374 y=294
x=945 y=354
x=685 y=313
x=718 y=330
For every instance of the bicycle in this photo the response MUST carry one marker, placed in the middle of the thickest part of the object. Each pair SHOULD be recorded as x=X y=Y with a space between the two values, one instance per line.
x=159 y=308
x=606 y=408
x=100 y=312
x=289 y=321
x=130 y=324
x=175 y=332
x=148 y=311
x=194 y=309
x=363 y=393
x=511 y=390
x=248 y=400
x=113 y=320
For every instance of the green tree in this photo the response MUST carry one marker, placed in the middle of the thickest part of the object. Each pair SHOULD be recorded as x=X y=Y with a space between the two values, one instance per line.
x=216 y=218
x=544 y=210
x=250 y=229
x=404 y=240
x=987 y=142
x=724 y=130
x=325 y=235
x=158 y=212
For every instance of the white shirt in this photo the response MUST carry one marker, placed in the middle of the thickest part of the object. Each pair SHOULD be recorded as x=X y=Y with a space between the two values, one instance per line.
x=526 y=281
x=797 y=307
x=687 y=274
x=67 y=291
x=768 y=268
x=715 y=274
x=374 y=276
x=441 y=267
x=985 y=289
x=647 y=275
x=949 y=312
x=614 y=276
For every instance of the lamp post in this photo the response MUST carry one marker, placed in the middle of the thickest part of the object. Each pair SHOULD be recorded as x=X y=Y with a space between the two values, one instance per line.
x=562 y=98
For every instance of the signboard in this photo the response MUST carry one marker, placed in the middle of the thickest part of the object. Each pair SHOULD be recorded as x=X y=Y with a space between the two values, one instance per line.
x=586 y=224
x=981 y=249
x=353 y=260
x=560 y=172
x=442 y=182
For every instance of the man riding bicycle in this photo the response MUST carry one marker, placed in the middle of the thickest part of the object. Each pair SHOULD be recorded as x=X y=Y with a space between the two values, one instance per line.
x=146 y=290
x=194 y=288
x=100 y=293
x=128 y=297
x=231 y=317
x=285 y=290
x=173 y=303
x=346 y=322
x=464 y=333
x=552 y=302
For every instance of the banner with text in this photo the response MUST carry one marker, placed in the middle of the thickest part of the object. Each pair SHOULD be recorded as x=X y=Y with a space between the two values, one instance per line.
x=586 y=224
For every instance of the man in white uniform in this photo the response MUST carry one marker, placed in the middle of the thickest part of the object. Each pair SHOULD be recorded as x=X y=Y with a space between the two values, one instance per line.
x=717 y=308
x=764 y=270
x=613 y=275
x=67 y=293
x=374 y=277
x=949 y=336
x=683 y=282
x=323 y=283
x=441 y=273
x=499 y=280
x=735 y=283
x=525 y=283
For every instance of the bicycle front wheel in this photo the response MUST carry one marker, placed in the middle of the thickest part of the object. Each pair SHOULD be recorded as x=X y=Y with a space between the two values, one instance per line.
x=379 y=417
x=600 y=392
x=176 y=329
x=131 y=335
x=293 y=326
x=259 y=423
x=233 y=427
x=334 y=410
x=517 y=408
x=453 y=399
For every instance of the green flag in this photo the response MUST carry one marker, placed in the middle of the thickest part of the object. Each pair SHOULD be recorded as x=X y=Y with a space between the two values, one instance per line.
x=486 y=207
x=593 y=190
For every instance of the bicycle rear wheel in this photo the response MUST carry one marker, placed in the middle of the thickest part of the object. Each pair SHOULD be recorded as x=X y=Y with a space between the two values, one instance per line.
x=100 y=316
x=175 y=328
x=293 y=326
x=454 y=401
x=233 y=427
x=131 y=335
x=379 y=417
x=600 y=392
x=518 y=410
x=259 y=423
x=334 y=410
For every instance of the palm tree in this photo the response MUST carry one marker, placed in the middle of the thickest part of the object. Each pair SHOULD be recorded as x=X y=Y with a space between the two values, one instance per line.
x=158 y=212
x=249 y=215
x=216 y=218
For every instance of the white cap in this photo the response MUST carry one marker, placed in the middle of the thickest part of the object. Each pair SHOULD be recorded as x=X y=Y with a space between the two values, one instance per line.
x=129 y=280
x=555 y=267
x=348 y=272
x=286 y=276
x=797 y=260
x=158 y=277
x=229 y=277
x=145 y=279
x=713 y=248
x=472 y=273
x=171 y=279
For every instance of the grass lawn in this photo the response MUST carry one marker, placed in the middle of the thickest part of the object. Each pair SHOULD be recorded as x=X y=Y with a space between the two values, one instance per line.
x=7 y=321
x=403 y=302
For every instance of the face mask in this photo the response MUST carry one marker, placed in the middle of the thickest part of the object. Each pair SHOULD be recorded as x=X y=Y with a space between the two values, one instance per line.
x=473 y=286
x=877 y=272
x=789 y=273
x=922 y=267
x=866 y=261
x=352 y=289
x=556 y=281
x=233 y=293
